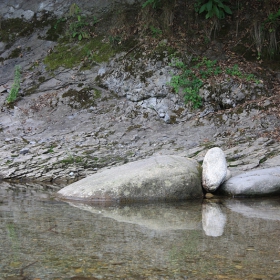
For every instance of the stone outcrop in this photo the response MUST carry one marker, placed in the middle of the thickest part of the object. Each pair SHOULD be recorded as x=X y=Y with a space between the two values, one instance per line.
x=258 y=182
x=136 y=116
x=229 y=94
x=144 y=81
x=29 y=9
x=214 y=169
x=154 y=178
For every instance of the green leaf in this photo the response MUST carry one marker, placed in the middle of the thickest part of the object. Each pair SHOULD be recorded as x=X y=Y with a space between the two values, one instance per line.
x=211 y=13
x=202 y=9
x=227 y=10
x=217 y=11
x=209 y=5
x=80 y=37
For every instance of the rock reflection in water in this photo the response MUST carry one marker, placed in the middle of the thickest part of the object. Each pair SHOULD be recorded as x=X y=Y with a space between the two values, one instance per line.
x=256 y=208
x=158 y=216
x=213 y=219
x=45 y=239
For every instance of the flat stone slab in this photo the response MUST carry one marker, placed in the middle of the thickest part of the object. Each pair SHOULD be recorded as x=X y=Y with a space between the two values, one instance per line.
x=259 y=182
x=162 y=177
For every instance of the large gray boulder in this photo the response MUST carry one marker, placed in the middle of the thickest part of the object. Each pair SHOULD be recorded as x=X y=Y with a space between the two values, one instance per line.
x=156 y=178
x=214 y=169
x=259 y=182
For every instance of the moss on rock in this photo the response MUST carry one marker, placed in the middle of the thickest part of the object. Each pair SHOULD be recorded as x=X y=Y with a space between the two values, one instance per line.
x=69 y=55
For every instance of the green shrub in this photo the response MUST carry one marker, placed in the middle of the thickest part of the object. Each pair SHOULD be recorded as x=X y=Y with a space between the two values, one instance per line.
x=271 y=27
x=213 y=8
x=236 y=72
x=191 y=79
x=15 y=86
x=272 y=21
x=154 y=3
x=156 y=32
x=79 y=26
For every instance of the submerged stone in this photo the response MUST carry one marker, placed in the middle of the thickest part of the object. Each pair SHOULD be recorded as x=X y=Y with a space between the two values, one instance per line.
x=156 y=178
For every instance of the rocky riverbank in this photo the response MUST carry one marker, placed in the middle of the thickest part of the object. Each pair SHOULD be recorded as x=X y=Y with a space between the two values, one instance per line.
x=69 y=123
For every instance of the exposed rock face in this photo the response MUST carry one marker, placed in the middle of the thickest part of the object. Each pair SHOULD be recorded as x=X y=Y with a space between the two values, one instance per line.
x=145 y=82
x=228 y=93
x=42 y=138
x=253 y=183
x=214 y=169
x=155 y=178
x=27 y=9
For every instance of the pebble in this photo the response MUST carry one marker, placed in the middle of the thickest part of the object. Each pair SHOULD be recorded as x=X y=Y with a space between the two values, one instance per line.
x=209 y=195
x=24 y=151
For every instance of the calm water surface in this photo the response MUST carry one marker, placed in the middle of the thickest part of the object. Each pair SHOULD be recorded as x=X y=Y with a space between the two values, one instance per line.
x=42 y=238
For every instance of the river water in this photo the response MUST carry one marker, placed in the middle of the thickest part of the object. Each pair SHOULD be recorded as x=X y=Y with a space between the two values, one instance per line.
x=42 y=238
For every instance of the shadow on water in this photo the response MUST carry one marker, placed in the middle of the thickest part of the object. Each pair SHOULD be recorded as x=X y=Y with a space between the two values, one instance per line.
x=42 y=238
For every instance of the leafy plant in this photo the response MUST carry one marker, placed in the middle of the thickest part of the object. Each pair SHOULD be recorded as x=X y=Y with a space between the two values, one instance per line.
x=206 y=68
x=15 y=86
x=50 y=150
x=189 y=82
x=71 y=159
x=155 y=31
x=271 y=25
x=272 y=20
x=154 y=3
x=115 y=40
x=59 y=21
x=213 y=8
x=79 y=26
x=236 y=72
x=191 y=79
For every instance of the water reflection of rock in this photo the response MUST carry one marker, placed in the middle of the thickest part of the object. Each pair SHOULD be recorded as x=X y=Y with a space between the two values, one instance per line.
x=263 y=209
x=65 y=239
x=213 y=219
x=157 y=216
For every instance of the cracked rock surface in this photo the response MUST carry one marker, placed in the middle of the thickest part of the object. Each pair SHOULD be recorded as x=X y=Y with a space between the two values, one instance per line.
x=61 y=131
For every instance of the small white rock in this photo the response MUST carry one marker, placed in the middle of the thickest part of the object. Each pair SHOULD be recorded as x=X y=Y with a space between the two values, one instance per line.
x=214 y=169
